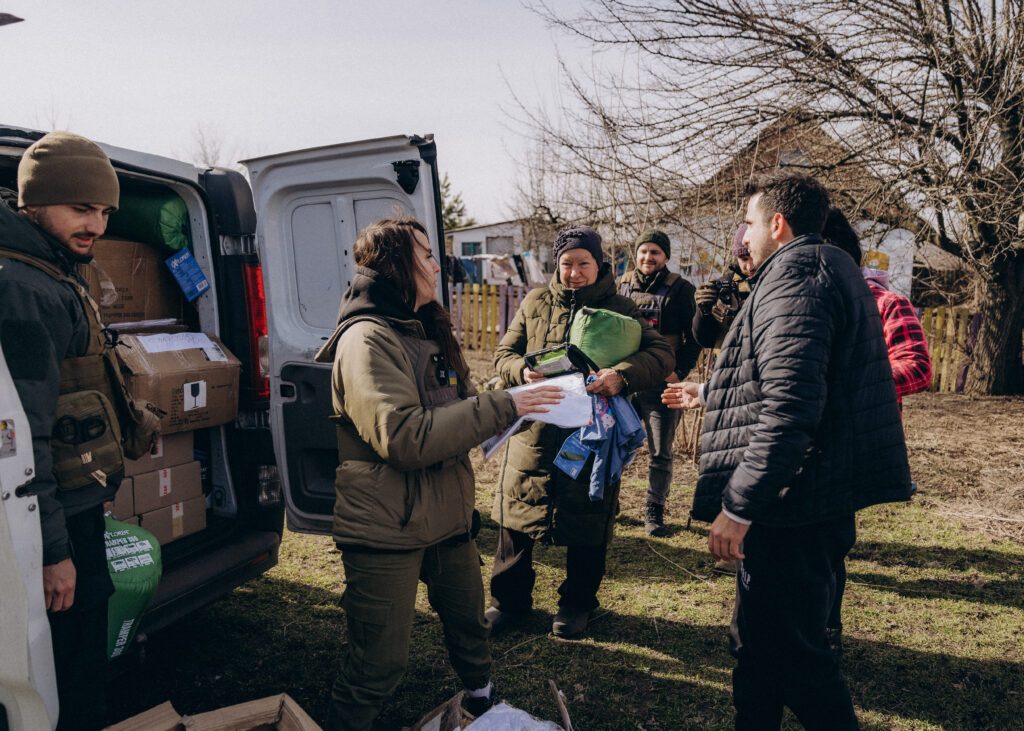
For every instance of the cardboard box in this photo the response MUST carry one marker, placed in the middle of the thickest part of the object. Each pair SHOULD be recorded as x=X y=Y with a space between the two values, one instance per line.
x=170 y=450
x=176 y=521
x=158 y=718
x=142 y=285
x=153 y=490
x=275 y=712
x=196 y=386
x=123 y=506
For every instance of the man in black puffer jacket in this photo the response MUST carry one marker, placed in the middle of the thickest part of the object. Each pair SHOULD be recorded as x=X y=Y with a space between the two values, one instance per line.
x=802 y=430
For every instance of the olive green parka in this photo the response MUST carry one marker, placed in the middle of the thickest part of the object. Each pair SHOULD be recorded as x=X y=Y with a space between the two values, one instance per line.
x=536 y=497
x=404 y=479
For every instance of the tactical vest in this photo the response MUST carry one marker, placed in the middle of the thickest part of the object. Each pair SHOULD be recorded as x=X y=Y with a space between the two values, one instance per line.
x=652 y=305
x=436 y=384
x=97 y=423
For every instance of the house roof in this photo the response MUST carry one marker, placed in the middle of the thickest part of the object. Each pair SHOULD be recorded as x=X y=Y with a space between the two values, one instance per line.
x=476 y=226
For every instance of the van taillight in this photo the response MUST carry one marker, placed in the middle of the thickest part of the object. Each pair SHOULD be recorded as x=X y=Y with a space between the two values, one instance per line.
x=256 y=305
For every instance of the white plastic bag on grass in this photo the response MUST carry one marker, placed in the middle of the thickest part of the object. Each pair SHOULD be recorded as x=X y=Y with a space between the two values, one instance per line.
x=504 y=717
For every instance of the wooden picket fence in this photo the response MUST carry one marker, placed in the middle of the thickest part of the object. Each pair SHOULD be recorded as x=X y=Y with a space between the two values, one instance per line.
x=948 y=330
x=481 y=313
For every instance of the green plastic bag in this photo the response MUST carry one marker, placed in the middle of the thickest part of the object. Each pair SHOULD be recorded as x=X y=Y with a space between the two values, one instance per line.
x=133 y=559
x=605 y=336
x=158 y=218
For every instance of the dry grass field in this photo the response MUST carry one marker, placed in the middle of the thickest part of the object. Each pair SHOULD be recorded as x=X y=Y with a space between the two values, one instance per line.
x=934 y=609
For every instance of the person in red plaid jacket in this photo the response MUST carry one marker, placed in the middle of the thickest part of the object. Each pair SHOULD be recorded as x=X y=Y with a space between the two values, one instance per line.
x=904 y=336
x=908 y=355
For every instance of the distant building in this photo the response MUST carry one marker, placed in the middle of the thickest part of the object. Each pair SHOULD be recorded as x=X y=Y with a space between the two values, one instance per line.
x=488 y=254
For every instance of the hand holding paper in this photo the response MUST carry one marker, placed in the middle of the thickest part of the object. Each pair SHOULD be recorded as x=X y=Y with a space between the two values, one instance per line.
x=535 y=400
x=570 y=410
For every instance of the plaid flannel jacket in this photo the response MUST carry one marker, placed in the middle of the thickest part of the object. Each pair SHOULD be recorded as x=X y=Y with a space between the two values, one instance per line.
x=905 y=339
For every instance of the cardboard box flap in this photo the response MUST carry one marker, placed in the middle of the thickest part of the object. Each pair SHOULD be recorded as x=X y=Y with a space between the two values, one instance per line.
x=158 y=718
x=279 y=712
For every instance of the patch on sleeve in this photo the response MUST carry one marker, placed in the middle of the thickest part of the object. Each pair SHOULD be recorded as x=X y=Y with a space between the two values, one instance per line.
x=26 y=347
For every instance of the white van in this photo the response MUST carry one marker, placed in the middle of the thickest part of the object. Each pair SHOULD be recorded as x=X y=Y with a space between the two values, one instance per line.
x=278 y=256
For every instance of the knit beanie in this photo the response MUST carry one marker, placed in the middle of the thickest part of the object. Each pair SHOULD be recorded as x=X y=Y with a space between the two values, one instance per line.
x=738 y=247
x=62 y=168
x=656 y=237
x=579 y=237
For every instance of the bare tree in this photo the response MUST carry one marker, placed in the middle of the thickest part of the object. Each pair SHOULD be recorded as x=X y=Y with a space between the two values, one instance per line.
x=209 y=149
x=920 y=102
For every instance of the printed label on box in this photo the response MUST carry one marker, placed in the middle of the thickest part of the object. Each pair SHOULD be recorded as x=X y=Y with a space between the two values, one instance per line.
x=157 y=450
x=194 y=395
x=165 y=482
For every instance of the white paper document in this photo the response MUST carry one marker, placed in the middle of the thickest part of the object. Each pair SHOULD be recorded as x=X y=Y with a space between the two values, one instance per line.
x=164 y=342
x=574 y=410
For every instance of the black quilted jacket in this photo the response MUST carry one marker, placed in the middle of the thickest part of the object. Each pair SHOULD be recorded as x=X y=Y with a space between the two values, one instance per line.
x=802 y=424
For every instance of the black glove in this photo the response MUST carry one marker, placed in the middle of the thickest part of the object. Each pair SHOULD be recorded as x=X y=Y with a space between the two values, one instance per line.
x=706 y=296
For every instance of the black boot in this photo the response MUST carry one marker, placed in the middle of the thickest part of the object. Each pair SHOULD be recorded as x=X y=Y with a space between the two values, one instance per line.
x=654 y=523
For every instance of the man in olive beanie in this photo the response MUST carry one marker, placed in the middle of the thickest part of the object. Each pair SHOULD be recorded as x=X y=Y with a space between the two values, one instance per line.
x=66 y=190
x=666 y=301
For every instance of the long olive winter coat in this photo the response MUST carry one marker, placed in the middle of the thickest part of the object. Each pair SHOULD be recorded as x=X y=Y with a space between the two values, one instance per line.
x=536 y=497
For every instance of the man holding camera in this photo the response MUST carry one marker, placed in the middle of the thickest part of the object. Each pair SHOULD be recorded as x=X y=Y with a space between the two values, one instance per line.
x=665 y=300
x=718 y=301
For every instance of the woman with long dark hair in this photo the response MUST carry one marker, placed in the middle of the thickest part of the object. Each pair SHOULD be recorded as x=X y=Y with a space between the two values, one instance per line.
x=407 y=415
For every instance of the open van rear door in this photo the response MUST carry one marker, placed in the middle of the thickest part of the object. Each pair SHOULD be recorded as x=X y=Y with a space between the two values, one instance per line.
x=310 y=206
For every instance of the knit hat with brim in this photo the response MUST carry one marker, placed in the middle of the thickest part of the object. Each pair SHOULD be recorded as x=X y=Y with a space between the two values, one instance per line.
x=63 y=168
x=656 y=237
x=579 y=237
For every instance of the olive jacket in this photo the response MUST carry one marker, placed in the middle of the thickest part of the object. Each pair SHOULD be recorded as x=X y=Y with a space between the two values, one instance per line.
x=536 y=497
x=404 y=479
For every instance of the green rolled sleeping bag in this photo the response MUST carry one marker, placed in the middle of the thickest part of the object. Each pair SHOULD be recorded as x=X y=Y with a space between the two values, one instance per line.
x=605 y=336
x=155 y=217
x=133 y=559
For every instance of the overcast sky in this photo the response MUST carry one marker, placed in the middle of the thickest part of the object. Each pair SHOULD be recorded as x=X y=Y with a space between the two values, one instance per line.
x=267 y=77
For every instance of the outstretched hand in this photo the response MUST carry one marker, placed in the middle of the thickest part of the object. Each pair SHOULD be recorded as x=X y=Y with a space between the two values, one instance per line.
x=681 y=395
x=534 y=400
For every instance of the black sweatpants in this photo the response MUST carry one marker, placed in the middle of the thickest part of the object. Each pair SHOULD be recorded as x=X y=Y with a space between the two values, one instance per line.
x=80 y=633
x=784 y=592
x=513 y=576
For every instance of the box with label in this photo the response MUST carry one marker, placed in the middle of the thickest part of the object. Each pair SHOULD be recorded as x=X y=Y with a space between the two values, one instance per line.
x=123 y=505
x=191 y=376
x=159 y=489
x=176 y=520
x=131 y=283
x=169 y=450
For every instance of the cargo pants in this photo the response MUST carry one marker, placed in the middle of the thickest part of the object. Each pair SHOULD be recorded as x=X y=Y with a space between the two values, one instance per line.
x=660 y=422
x=380 y=606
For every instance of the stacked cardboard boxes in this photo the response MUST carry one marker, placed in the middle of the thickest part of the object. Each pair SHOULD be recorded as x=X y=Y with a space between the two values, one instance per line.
x=163 y=492
x=190 y=376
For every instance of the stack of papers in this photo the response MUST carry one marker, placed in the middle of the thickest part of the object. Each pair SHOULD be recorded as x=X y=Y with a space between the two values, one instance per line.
x=573 y=411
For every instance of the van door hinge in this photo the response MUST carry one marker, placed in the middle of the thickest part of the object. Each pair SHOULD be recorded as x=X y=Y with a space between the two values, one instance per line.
x=233 y=245
x=408 y=174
